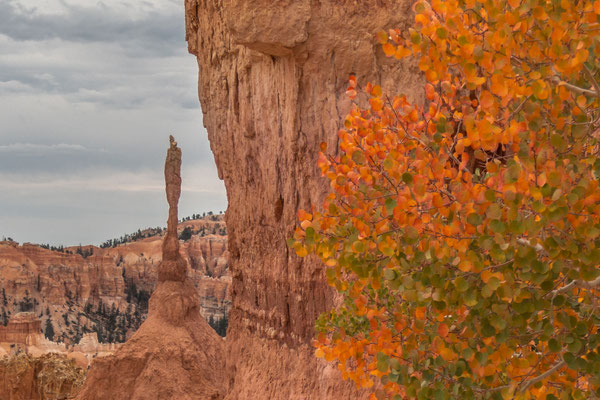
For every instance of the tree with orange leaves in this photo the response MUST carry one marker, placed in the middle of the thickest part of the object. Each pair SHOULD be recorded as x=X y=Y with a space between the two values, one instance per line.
x=464 y=233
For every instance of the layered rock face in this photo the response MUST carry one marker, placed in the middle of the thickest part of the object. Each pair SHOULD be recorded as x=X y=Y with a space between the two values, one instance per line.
x=23 y=328
x=272 y=77
x=174 y=354
x=69 y=289
x=48 y=377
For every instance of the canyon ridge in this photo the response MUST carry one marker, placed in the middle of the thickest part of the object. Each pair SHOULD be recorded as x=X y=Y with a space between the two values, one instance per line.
x=104 y=290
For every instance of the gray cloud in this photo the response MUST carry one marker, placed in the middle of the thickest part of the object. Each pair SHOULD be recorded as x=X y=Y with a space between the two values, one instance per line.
x=157 y=31
x=31 y=149
x=89 y=93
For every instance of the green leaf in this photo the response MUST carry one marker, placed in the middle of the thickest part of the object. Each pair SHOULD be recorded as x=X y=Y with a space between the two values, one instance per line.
x=358 y=157
x=557 y=141
x=390 y=204
x=407 y=178
x=494 y=211
x=570 y=359
x=389 y=274
x=383 y=362
x=474 y=219
x=554 y=345
x=461 y=284
x=575 y=347
x=497 y=226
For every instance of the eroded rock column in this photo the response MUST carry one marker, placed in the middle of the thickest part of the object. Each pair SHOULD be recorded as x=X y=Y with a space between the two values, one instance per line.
x=174 y=354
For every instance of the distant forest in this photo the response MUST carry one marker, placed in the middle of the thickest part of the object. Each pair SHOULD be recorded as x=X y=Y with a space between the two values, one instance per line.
x=142 y=234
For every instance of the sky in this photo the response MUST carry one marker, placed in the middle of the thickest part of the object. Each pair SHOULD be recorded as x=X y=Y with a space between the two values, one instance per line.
x=89 y=93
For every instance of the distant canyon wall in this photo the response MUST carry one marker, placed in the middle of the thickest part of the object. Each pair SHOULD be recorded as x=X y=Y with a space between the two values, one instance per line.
x=272 y=78
x=76 y=293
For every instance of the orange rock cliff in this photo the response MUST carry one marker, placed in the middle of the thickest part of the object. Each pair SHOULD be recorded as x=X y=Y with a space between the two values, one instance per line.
x=272 y=81
x=272 y=78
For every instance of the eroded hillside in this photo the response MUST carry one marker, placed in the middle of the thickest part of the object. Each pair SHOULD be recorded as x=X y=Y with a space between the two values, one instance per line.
x=106 y=289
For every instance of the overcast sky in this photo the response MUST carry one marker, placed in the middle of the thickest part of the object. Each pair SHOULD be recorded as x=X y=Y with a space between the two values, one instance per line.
x=89 y=92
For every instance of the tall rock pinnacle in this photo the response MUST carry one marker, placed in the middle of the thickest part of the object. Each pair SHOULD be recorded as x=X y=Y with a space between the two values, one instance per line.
x=174 y=354
x=173 y=267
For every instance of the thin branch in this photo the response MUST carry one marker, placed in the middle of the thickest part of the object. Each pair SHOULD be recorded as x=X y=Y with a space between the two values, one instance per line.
x=577 y=283
x=543 y=376
x=538 y=247
x=591 y=78
x=526 y=384
x=573 y=88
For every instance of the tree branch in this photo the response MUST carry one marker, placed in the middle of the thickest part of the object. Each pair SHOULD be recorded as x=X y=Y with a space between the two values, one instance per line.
x=590 y=76
x=573 y=88
x=523 y=386
x=538 y=247
x=577 y=283
x=543 y=376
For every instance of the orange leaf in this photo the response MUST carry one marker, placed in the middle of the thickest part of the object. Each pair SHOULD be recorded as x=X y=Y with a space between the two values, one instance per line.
x=376 y=103
x=443 y=330
x=465 y=266
x=486 y=99
x=376 y=91
x=401 y=52
x=389 y=49
x=304 y=216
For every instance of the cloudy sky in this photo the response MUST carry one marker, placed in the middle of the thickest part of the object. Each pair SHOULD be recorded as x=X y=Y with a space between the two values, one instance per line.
x=89 y=92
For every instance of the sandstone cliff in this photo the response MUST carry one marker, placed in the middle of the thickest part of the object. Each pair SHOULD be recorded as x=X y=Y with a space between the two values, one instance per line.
x=272 y=77
x=77 y=287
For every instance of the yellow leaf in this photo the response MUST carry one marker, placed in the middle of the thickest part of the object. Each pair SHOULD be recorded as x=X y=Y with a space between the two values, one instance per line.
x=514 y=3
x=376 y=91
x=319 y=353
x=301 y=251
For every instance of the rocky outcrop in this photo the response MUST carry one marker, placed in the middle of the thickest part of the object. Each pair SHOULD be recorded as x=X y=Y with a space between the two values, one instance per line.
x=48 y=377
x=174 y=354
x=65 y=286
x=22 y=328
x=272 y=77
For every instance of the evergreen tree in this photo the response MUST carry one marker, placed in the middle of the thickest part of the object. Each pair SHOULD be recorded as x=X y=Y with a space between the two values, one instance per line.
x=186 y=234
x=49 y=330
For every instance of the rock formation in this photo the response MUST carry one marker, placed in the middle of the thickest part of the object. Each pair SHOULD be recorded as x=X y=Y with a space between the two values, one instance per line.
x=174 y=354
x=48 y=377
x=272 y=77
x=22 y=328
x=57 y=283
